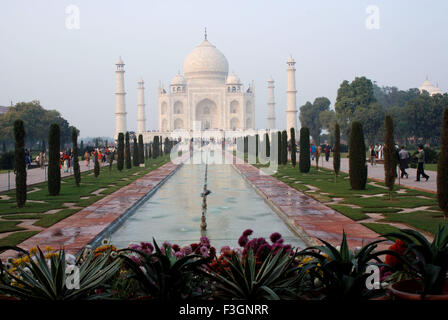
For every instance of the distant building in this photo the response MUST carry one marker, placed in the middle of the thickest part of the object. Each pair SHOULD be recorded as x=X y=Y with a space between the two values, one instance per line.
x=3 y=109
x=430 y=88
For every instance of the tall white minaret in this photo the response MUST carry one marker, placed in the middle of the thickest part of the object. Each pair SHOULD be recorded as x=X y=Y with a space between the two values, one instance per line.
x=271 y=104
x=141 y=120
x=291 y=109
x=120 y=111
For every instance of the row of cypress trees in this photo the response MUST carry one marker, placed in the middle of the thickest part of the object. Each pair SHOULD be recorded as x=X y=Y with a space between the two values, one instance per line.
x=140 y=151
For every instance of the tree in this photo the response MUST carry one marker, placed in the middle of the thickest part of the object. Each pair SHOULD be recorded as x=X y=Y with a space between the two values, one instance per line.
x=442 y=167
x=155 y=147
x=76 y=170
x=310 y=116
x=279 y=149
x=327 y=120
x=141 y=150
x=81 y=148
x=54 y=171
x=149 y=150
x=268 y=145
x=293 y=147
x=120 y=157
x=96 y=167
x=304 y=156
x=135 y=157
x=257 y=141
x=372 y=119
x=167 y=145
x=127 y=152
x=389 y=155
x=19 y=163
x=357 y=157
x=336 y=151
x=284 y=147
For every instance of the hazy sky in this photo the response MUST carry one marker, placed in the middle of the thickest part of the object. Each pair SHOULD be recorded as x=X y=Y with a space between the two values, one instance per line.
x=72 y=71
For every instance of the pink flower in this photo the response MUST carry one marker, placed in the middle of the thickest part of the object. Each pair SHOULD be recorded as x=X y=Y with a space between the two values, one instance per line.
x=247 y=232
x=224 y=249
x=204 y=241
x=275 y=236
x=178 y=254
x=186 y=250
x=204 y=251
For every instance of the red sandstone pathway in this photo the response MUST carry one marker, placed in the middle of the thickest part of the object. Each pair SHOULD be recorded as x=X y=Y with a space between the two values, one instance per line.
x=315 y=219
x=78 y=230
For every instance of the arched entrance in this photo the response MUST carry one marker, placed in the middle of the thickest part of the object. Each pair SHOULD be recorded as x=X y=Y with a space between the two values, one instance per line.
x=207 y=114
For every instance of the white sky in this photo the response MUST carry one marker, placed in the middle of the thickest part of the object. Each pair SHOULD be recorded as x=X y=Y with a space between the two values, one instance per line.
x=72 y=71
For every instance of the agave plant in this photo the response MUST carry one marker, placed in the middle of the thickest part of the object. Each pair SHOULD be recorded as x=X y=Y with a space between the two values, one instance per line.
x=162 y=275
x=341 y=272
x=243 y=277
x=45 y=278
x=427 y=262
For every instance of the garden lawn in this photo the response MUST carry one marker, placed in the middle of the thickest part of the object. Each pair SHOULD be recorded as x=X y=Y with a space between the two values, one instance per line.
x=48 y=210
x=356 y=204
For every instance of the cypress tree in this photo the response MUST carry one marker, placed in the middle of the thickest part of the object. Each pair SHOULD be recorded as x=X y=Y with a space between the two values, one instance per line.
x=76 y=170
x=135 y=157
x=81 y=148
x=268 y=145
x=120 y=157
x=279 y=148
x=96 y=168
x=155 y=147
x=284 y=147
x=442 y=167
x=111 y=160
x=337 y=151
x=357 y=157
x=19 y=163
x=167 y=144
x=54 y=170
x=150 y=150
x=141 y=150
x=390 y=155
x=127 y=152
x=293 y=147
x=304 y=156
x=257 y=141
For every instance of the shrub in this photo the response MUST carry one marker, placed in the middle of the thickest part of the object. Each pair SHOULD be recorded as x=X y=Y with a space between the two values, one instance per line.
x=279 y=148
x=357 y=157
x=336 y=150
x=76 y=170
x=120 y=158
x=442 y=166
x=19 y=163
x=135 y=157
x=284 y=147
x=127 y=152
x=268 y=145
x=141 y=150
x=293 y=147
x=54 y=171
x=155 y=147
x=304 y=156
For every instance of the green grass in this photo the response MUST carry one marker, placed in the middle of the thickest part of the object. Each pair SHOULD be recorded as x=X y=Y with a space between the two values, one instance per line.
x=109 y=180
x=381 y=228
x=353 y=213
x=17 y=237
x=423 y=220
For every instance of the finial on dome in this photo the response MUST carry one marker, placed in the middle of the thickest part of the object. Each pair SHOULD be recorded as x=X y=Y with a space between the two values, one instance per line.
x=205 y=34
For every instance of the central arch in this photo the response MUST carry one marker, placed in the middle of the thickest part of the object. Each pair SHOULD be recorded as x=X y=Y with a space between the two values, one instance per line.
x=207 y=113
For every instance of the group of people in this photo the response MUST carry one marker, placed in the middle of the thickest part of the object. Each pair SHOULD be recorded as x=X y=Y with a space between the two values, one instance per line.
x=403 y=157
x=103 y=155
x=318 y=151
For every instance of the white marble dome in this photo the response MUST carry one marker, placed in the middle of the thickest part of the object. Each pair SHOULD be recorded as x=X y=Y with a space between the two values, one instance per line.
x=205 y=61
x=430 y=88
x=178 y=80
x=233 y=79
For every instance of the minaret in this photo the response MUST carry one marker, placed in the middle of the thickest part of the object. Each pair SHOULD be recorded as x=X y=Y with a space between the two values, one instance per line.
x=271 y=104
x=291 y=109
x=120 y=111
x=141 y=120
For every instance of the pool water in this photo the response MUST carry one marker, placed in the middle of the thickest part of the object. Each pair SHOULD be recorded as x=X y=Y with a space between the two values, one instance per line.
x=173 y=213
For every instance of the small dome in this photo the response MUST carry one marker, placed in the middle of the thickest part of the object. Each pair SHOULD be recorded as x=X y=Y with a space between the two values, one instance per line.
x=178 y=80
x=205 y=61
x=233 y=79
x=430 y=88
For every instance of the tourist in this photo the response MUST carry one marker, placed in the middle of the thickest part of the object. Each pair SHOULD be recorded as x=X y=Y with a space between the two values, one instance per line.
x=41 y=160
x=87 y=159
x=313 y=151
x=372 y=156
x=403 y=156
x=27 y=159
x=420 y=165
x=327 y=152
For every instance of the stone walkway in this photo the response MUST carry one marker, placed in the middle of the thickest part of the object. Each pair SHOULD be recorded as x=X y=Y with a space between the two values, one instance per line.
x=377 y=173
x=311 y=217
x=78 y=230
x=36 y=175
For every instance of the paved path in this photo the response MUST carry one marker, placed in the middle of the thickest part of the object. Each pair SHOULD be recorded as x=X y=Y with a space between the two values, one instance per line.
x=377 y=172
x=36 y=175
x=312 y=218
x=78 y=230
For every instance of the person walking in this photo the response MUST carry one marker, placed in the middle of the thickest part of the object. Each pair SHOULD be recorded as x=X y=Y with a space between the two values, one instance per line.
x=313 y=151
x=403 y=156
x=372 y=156
x=420 y=165
x=327 y=152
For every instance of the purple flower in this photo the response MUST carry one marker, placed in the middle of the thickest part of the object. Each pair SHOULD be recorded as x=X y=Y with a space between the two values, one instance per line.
x=247 y=232
x=178 y=254
x=204 y=251
x=186 y=250
x=224 y=249
x=275 y=236
x=242 y=241
x=204 y=241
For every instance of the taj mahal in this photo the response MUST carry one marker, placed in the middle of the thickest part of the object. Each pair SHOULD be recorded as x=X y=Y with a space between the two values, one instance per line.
x=204 y=97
